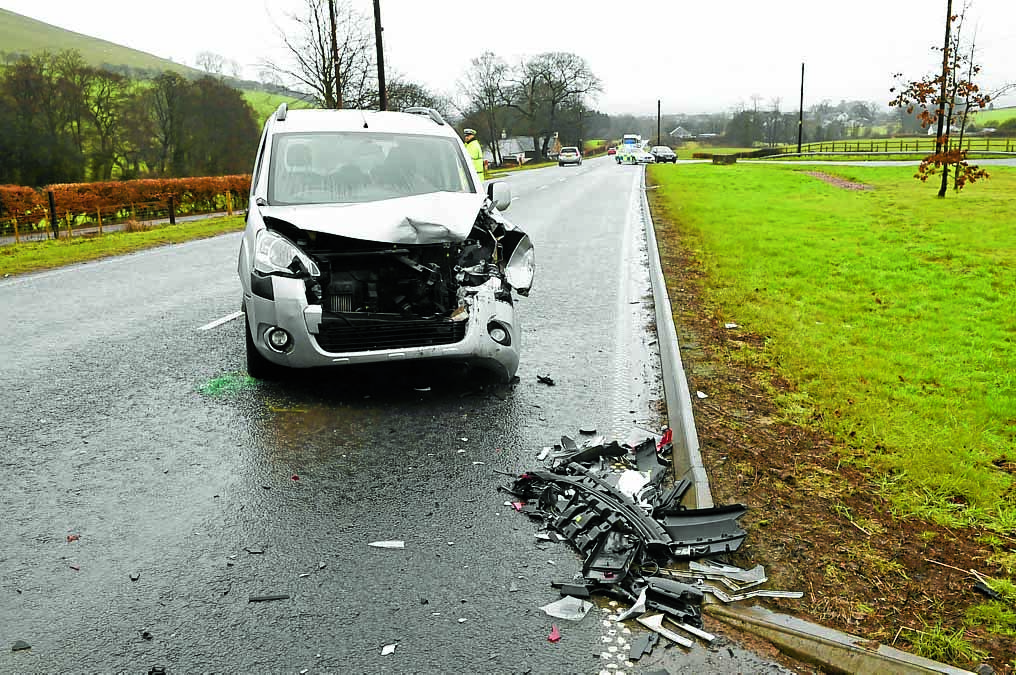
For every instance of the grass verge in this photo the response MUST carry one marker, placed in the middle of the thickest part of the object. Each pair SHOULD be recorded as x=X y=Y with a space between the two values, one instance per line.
x=890 y=309
x=863 y=407
x=42 y=255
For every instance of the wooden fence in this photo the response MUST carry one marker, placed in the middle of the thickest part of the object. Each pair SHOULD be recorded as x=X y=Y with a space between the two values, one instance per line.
x=916 y=145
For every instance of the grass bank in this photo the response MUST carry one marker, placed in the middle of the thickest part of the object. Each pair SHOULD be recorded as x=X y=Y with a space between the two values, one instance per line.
x=43 y=255
x=890 y=310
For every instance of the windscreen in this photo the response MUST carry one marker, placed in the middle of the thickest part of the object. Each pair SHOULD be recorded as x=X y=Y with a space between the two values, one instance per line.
x=353 y=167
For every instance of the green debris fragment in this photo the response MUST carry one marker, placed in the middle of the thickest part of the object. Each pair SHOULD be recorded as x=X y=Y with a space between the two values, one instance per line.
x=227 y=385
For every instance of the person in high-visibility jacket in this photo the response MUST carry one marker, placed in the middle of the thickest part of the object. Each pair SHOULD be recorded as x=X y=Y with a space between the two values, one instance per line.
x=474 y=150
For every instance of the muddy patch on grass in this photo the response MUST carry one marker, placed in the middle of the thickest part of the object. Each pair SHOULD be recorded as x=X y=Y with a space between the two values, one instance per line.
x=837 y=181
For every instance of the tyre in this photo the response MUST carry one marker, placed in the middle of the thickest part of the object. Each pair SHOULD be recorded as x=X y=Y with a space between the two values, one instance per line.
x=258 y=366
x=560 y=163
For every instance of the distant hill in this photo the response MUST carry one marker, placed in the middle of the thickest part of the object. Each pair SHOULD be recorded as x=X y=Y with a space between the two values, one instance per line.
x=22 y=35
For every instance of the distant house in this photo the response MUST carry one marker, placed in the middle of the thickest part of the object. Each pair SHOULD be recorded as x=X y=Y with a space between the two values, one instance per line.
x=933 y=129
x=519 y=147
x=680 y=133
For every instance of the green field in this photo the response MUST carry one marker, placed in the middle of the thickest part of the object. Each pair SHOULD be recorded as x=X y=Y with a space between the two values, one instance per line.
x=888 y=306
x=43 y=255
x=987 y=118
x=265 y=103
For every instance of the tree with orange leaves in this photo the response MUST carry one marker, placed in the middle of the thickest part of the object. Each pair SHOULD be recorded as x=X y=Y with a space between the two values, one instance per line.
x=946 y=100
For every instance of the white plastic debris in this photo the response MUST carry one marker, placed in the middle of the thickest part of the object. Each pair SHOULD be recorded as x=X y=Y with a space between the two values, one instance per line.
x=388 y=544
x=701 y=394
x=631 y=482
x=389 y=649
x=543 y=454
x=568 y=608
x=729 y=326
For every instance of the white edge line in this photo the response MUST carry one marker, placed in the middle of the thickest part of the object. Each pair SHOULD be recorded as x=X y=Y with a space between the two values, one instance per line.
x=219 y=322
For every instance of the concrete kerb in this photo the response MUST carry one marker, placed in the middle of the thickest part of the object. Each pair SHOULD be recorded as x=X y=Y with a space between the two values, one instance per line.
x=833 y=650
x=687 y=457
x=830 y=649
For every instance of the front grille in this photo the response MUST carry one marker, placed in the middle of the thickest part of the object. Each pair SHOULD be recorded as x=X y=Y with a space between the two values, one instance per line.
x=352 y=333
x=340 y=303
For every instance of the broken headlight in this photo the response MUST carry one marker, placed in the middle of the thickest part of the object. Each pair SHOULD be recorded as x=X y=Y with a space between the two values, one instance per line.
x=521 y=266
x=274 y=254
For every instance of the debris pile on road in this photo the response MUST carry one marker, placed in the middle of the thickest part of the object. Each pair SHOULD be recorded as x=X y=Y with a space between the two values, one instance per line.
x=611 y=502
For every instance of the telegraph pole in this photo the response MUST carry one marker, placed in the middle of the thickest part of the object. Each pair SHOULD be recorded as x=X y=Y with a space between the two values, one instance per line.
x=335 y=56
x=659 y=138
x=800 y=113
x=382 y=93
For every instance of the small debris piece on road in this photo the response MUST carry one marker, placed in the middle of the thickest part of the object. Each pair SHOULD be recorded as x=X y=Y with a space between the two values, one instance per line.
x=20 y=646
x=73 y=537
x=463 y=620
x=588 y=430
x=295 y=477
x=76 y=568
x=555 y=634
x=135 y=576
x=643 y=645
x=388 y=544
x=568 y=608
x=665 y=440
x=545 y=379
x=146 y=635
x=654 y=622
x=157 y=670
x=389 y=649
x=254 y=550
x=267 y=598
x=322 y=565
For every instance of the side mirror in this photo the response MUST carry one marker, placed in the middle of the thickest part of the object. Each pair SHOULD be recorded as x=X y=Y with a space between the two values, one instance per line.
x=500 y=194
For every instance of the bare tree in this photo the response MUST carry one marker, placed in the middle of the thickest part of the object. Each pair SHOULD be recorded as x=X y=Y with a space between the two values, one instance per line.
x=567 y=80
x=311 y=65
x=210 y=62
x=481 y=85
x=404 y=93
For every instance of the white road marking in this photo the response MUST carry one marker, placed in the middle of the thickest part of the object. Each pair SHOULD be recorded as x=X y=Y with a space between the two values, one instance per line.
x=219 y=322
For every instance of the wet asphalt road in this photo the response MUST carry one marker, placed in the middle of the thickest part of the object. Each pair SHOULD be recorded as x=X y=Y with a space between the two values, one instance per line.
x=128 y=426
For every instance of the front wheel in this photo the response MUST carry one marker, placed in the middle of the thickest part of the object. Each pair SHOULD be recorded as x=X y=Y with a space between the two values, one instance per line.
x=560 y=163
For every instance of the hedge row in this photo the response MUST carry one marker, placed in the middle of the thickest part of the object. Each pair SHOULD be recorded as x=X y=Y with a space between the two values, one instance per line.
x=191 y=195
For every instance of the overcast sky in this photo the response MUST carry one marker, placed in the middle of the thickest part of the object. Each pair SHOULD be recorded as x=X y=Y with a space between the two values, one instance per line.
x=695 y=56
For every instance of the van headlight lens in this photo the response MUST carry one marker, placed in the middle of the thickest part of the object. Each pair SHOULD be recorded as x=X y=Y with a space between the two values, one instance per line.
x=274 y=254
x=521 y=266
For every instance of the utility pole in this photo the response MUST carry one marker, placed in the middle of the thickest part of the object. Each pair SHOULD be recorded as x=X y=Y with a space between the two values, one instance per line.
x=659 y=138
x=382 y=93
x=942 y=95
x=335 y=56
x=800 y=113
